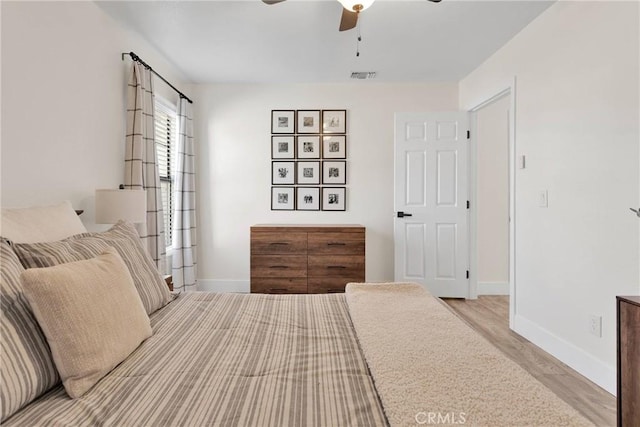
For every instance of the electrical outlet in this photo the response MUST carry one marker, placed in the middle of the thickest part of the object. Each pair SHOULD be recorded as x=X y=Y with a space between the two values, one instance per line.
x=595 y=325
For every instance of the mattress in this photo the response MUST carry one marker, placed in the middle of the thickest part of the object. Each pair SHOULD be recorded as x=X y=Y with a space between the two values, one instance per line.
x=232 y=360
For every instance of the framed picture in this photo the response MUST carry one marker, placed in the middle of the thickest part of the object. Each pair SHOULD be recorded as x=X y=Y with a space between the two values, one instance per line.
x=308 y=198
x=308 y=121
x=282 y=198
x=283 y=121
x=308 y=146
x=334 y=121
x=334 y=198
x=282 y=147
x=334 y=147
x=334 y=172
x=308 y=173
x=283 y=173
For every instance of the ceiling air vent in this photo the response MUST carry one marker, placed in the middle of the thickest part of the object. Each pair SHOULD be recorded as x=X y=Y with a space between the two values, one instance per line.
x=363 y=75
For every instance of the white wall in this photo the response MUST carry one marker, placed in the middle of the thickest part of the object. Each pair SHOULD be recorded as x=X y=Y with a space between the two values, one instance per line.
x=492 y=195
x=63 y=101
x=234 y=166
x=577 y=122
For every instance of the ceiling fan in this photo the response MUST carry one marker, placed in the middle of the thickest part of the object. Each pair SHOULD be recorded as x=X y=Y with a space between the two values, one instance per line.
x=350 y=12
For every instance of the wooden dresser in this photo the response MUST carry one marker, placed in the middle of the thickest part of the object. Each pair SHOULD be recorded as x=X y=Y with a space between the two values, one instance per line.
x=300 y=259
x=628 y=316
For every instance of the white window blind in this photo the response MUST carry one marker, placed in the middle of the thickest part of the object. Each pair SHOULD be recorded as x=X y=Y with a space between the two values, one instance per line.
x=166 y=134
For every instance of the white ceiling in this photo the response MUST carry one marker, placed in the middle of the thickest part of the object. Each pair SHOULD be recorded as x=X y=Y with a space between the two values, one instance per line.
x=299 y=41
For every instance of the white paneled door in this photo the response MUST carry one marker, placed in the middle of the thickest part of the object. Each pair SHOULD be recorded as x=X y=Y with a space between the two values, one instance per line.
x=431 y=232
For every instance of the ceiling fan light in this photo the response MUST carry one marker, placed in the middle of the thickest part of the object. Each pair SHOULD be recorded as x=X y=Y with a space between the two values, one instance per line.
x=356 y=5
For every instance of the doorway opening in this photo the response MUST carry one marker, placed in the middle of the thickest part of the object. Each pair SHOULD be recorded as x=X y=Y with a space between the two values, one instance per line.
x=492 y=192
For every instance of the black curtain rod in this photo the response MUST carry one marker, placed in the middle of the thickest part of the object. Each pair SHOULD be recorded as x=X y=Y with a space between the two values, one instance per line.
x=148 y=67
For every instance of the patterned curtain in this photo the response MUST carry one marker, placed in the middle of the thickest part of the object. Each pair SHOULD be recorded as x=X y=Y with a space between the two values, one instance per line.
x=184 y=214
x=140 y=160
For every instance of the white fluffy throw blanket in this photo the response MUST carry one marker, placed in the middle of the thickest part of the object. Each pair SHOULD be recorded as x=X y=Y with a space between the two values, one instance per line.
x=430 y=368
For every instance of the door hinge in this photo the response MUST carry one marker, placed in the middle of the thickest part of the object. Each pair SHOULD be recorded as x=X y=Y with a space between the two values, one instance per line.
x=468 y=134
x=468 y=204
x=467 y=274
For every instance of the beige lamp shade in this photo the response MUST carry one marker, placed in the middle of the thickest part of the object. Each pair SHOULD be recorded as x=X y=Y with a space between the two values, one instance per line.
x=114 y=205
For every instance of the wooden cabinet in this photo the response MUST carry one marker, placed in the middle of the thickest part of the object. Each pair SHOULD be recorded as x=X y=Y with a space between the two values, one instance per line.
x=306 y=258
x=628 y=317
x=168 y=280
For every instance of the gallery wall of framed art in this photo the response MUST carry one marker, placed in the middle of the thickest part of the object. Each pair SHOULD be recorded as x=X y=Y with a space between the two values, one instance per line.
x=309 y=160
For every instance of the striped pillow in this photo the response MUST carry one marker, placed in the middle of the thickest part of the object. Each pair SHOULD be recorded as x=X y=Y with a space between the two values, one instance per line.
x=153 y=291
x=26 y=365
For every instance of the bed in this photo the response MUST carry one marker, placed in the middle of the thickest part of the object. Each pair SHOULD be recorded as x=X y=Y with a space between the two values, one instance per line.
x=379 y=354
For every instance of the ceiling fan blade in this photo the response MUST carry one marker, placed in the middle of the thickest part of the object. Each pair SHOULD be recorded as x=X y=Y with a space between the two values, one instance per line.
x=349 y=20
x=272 y=1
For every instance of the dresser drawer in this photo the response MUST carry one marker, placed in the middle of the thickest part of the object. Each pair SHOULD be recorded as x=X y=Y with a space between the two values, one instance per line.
x=328 y=285
x=336 y=243
x=264 y=266
x=336 y=266
x=278 y=243
x=279 y=285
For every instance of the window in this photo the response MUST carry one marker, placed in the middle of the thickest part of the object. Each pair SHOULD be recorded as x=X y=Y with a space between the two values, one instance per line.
x=166 y=135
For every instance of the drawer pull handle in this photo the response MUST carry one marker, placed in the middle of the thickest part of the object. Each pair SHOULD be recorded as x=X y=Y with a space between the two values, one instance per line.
x=336 y=267
x=278 y=290
x=336 y=244
x=279 y=267
x=335 y=291
x=279 y=244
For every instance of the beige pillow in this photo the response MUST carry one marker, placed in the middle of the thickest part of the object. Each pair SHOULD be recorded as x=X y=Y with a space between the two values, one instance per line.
x=40 y=223
x=90 y=314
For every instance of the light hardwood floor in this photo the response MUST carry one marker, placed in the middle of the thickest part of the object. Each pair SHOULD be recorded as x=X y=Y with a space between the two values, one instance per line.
x=489 y=316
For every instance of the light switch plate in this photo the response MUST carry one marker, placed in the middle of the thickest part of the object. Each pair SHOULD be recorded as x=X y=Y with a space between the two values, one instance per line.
x=543 y=199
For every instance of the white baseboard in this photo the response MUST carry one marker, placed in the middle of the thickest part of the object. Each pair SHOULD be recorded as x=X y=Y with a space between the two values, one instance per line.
x=224 y=286
x=493 y=288
x=576 y=358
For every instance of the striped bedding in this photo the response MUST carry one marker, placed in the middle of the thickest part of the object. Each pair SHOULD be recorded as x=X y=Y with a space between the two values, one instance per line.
x=231 y=360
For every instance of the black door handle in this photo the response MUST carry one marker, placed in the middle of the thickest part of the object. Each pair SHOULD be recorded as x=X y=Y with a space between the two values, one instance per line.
x=402 y=214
